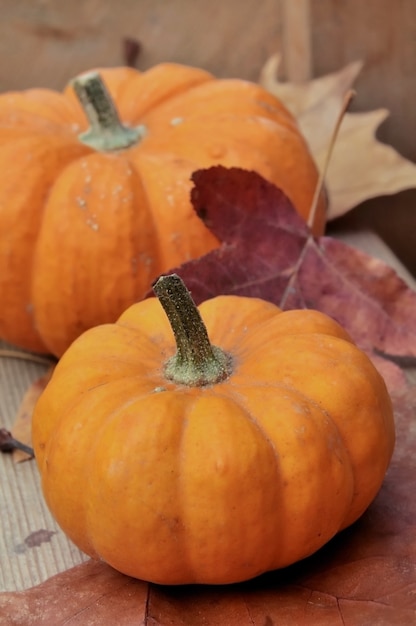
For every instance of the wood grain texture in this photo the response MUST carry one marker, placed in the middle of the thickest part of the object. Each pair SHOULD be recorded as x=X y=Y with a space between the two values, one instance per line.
x=383 y=34
x=32 y=547
x=392 y=218
x=46 y=42
x=296 y=40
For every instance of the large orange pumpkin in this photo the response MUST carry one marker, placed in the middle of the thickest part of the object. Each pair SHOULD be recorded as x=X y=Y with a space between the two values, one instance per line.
x=222 y=461
x=89 y=218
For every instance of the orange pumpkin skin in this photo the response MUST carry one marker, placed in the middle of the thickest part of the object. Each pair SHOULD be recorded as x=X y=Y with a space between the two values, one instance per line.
x=83 y=232
x=214 y=484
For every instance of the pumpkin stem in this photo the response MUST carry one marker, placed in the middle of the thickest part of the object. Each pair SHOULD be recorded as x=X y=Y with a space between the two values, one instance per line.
x=196 y=362
x=106 y=131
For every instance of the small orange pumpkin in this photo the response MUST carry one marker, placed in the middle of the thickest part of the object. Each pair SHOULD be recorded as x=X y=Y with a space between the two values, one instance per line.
x=89 y=218
x=219 y=462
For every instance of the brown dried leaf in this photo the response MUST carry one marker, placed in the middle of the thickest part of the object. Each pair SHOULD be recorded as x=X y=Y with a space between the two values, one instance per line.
x=365 y=576
x=91 y=594
x=361 y=167
x=22 y=427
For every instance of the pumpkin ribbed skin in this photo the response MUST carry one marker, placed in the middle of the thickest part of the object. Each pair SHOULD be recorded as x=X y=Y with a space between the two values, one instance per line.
x=213 y=484
x=85 y=232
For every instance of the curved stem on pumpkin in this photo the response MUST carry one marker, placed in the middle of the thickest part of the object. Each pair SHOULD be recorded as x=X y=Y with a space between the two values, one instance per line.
x=196 y=362
x=106 y=131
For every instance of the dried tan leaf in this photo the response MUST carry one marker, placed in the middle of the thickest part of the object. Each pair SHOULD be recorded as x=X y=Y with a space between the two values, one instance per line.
x=361 y=167
x=323 y=94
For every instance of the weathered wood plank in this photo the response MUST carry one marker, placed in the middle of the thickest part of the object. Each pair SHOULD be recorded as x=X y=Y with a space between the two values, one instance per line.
x=45 y=42
x=296 y=40
x=383 y=34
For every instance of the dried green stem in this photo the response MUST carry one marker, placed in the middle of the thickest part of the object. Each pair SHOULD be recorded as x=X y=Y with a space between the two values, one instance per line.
x=196 y=362
x=106 y=131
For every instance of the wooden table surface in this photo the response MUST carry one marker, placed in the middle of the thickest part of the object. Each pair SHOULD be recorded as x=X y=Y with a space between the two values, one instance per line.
x=27 y=556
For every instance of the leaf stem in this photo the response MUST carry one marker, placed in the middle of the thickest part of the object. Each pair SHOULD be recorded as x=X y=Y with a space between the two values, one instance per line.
x=25 y=356
x=8 y=443
x=106 y=131
x=349 y=96
x=196 y=362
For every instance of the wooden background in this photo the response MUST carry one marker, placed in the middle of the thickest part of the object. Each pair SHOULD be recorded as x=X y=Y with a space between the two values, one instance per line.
x=383 y=34
x=46 y=42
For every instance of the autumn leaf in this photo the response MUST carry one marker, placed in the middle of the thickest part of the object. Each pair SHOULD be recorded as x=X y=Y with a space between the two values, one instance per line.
x=268 y=252
x=365 y=576
x=361 y=167
x=91 y=593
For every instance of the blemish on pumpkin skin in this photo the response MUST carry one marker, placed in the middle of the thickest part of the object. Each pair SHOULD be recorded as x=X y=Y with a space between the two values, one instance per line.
x=159 y=389
x=175 y=237
x=267 y=107
x=92 y=224
x=216 y=151
x=127 y=198
x=174 y=524
x=221 y=466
